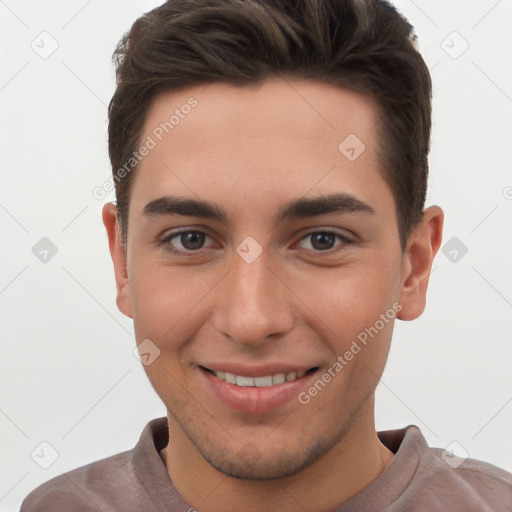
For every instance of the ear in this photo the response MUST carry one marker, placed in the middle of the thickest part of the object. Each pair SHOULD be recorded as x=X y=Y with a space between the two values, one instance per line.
x=422 y=246
x=118 y=254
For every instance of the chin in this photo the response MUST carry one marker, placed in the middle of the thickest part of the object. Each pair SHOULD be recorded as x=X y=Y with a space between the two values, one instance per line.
x=251 y=463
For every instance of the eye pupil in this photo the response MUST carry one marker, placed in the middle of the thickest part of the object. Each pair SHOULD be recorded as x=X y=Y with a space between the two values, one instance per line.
x=192 y=240
x=325 y=240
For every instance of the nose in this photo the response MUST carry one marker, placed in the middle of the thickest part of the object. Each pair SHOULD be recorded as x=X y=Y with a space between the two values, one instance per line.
x=253 y=303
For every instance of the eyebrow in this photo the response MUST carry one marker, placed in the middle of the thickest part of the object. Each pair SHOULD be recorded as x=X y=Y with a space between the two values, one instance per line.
x=297 y=208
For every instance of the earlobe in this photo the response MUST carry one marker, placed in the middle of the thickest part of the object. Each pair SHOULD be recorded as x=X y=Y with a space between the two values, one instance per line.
x=119 y=259
x=422 y=246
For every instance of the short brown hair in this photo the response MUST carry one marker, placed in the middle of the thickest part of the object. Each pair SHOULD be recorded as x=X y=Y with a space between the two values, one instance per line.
x=363 y=45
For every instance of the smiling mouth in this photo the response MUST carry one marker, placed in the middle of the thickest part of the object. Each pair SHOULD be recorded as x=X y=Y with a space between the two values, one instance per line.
x=259 y=382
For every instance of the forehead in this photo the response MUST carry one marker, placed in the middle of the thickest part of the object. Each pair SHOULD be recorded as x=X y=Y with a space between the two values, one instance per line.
x=279 y=137
x=305 y=109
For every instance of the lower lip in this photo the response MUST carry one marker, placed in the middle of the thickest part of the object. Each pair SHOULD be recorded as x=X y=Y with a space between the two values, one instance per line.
x=254 y=400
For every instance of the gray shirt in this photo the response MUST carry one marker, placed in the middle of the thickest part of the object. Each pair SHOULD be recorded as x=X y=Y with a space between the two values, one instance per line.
x=418 y=479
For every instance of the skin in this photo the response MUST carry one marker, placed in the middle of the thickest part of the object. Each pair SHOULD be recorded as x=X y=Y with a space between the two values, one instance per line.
x=251 y=149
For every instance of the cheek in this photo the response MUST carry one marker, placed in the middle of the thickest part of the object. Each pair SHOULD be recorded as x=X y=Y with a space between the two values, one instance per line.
x=167 y=301
x=348 y=299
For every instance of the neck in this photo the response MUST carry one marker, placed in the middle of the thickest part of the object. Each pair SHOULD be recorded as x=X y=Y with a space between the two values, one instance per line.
x=349 y=467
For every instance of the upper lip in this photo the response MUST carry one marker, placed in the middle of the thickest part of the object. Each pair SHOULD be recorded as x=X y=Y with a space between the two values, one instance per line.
x=256 y=371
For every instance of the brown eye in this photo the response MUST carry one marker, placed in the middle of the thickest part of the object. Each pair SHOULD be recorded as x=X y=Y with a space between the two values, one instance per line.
x=319 y=241
x=185 y=242
x=192 y=240
x=322 y=241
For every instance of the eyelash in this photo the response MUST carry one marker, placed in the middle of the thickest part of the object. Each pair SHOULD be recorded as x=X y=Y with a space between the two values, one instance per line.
x=328 y=252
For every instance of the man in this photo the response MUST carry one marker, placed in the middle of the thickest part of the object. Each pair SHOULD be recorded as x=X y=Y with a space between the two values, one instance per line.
x=270 y=163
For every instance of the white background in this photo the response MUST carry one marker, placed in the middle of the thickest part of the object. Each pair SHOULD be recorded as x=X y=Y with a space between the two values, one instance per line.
x=69 y=376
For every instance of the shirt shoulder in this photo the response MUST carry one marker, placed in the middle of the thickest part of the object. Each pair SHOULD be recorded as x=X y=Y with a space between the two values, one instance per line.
x=106 y=484
x=472 y=484
x=131 y=481
x=421 y=478
x=442 y=481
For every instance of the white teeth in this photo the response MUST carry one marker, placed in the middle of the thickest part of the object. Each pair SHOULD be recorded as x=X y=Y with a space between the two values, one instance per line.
x=259 y=382
x=228 y=377
x=263 y=382
x=244 y=381
x=278 y=378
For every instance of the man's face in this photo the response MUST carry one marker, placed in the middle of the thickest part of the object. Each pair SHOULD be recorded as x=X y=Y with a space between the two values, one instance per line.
x=256 y=294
